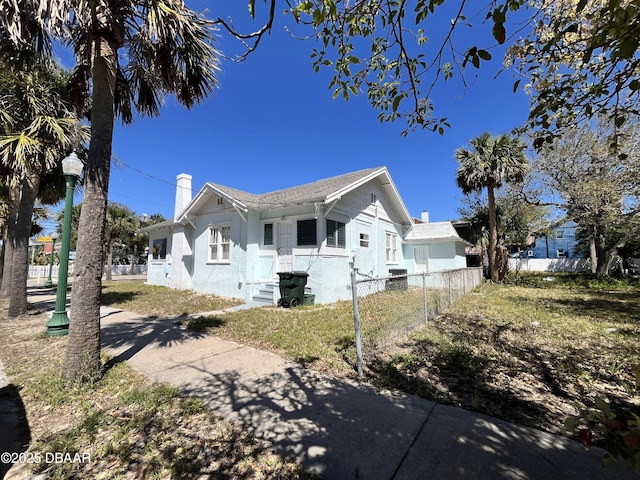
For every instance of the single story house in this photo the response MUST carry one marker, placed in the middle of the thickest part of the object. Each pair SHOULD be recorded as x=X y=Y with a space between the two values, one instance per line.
x=232 y=243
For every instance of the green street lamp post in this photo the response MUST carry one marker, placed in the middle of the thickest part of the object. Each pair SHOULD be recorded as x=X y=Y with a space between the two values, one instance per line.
x=59 y=323
x=54 y=237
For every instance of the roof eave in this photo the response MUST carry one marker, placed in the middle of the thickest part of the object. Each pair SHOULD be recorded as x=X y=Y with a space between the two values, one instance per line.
x=203 y=196
x=397 y=200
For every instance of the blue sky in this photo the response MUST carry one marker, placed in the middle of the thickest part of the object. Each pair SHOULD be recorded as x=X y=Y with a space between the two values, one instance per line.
x=272 y=124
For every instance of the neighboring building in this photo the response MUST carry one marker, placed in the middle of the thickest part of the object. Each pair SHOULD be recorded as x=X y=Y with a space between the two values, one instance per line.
x=233 y=243
x=560 y=244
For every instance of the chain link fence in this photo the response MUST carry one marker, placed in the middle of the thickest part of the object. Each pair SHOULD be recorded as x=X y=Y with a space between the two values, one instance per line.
x=387 y=307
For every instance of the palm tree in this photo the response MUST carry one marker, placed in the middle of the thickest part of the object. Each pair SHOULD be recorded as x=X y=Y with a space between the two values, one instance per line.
x=130 y=53
x=491 y=162
x=35 y=133
x=122 y=223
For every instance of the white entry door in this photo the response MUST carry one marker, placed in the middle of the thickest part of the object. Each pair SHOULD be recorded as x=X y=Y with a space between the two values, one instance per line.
x=421 y=259
x=285 y=247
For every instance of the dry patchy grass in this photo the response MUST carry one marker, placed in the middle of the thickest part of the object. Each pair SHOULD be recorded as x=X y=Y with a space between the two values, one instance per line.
x=526 y=354
x=137 y=296
x=126 y=426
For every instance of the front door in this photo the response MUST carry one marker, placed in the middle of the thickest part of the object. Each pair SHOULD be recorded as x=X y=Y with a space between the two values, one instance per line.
x=285 y=247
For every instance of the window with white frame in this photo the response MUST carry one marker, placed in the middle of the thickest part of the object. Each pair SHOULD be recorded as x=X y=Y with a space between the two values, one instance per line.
x=306 y=232
x=219 y=243
x=267 y=237
x=364 y=240
x=392 y=247
x=336 y=234
x=561 y=253
x=560 y=234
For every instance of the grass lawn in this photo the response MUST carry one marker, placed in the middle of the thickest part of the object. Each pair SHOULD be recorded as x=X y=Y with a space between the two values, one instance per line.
x=533 y=352
x=121 y=426
x=529 y=354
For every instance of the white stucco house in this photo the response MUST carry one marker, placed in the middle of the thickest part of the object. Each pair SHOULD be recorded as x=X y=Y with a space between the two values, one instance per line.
x=233 y=243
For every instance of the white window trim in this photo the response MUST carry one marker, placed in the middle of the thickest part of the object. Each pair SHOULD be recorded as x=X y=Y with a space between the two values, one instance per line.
x=218 y=260
x=391 y=251
x=364 y=240
x=274 y=233
x=296 y=237
x=326 y=235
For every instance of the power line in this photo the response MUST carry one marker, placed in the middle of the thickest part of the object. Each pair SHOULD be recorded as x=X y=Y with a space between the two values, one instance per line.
x=140 y=200
x=137 y=170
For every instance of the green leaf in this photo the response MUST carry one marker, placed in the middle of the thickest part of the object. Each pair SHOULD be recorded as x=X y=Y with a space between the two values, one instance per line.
x=603 y=407
x=515 y=86
x=319 y=16
x=498 y=16
x=571 y=424
x=581 y=5
x=499 y=33
x=484 y=55
x=628 y=47
x=396 y=103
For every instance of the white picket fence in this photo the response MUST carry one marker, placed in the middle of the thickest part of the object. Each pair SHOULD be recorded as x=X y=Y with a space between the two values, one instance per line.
x=42 y=271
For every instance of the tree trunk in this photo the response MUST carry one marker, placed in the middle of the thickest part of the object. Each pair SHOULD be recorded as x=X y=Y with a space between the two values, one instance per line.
x=18 y=299
x=603 y=258
x=82 y=361
x=593 y=255
x=134 y=259
x=493 y=235
x=110 y=261
x=12 y=215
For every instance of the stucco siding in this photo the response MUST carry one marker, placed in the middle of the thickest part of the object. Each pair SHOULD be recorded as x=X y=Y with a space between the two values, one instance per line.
x=226 y=277
x=329 y=277
x=441 y=256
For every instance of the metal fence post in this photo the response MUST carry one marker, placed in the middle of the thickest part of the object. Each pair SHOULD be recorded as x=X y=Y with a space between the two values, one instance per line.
x=424 y=293
x=356 y=321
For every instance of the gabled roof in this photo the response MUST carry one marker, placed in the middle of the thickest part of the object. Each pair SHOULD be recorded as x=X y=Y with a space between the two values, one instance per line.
x=432 y=232
x=158 y=226
x=324 y=191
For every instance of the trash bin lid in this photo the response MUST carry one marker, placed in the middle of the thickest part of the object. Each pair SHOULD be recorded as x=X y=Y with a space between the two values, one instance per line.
x=300 y=273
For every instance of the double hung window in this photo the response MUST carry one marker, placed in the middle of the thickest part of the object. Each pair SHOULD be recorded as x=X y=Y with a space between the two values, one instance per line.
x=219 y=243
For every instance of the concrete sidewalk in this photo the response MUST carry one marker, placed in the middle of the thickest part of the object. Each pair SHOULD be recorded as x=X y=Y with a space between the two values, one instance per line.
x=341 y=429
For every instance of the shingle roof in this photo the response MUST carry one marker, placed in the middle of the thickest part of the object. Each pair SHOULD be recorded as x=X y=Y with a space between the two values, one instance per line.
x=322 y=191
x=158 y=226
x=435 y=231
x=307 y=193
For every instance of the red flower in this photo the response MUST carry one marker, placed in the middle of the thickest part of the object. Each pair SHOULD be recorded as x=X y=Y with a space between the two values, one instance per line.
x=585 y=437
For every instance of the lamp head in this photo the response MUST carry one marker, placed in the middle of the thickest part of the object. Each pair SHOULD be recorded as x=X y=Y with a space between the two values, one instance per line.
x=72 y=165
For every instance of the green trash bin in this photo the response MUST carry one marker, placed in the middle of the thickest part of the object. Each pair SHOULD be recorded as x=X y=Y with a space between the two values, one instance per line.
x=292 y=288
x=308 y=299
